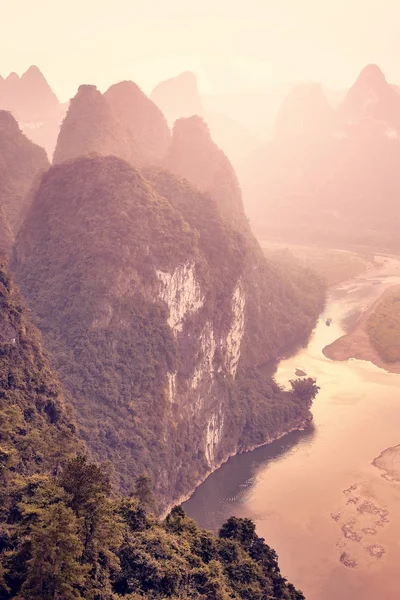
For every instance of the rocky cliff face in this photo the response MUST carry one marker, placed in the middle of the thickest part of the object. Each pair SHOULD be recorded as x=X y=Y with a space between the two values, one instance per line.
x=90 y=127
x=331 y=176
x=142 y=292
x=21 y=163
x=142 y=118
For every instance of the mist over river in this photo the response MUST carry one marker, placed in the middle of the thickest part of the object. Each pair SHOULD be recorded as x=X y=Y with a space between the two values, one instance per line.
x=315 y=496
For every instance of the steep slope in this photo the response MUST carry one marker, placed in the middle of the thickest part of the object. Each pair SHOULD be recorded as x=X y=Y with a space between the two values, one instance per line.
x=28 y=97
x=337 y=181
x=68 y=537
x=35 y=431
x=273 y=301
x=140 y=289
x=21 y=163
x=195 y=157
x=90 y=127
x=142 y=118
x=6 y=236
x=179 y=97
x=371 y=98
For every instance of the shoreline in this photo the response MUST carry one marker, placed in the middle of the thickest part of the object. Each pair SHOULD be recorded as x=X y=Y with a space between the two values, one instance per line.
x=300 y=426
x=357 y=345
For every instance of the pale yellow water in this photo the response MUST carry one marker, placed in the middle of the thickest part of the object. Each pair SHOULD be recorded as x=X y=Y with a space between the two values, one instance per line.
x=315 y=496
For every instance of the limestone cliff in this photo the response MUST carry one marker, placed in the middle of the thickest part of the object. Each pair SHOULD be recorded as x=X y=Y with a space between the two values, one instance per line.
x=142 y=292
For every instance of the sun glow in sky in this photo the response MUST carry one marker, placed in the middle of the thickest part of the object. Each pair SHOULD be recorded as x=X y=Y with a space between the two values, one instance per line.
x=230 y=45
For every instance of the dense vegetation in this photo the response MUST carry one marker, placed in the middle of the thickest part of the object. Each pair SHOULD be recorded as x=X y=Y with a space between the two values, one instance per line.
x=6 y=236
x=383 y=328
x=66 y=537
x=331 y=266
x=21 y=162
x=142 y=118
x=65 y=534
x=35 y=432
x=90 y=127
x=87 y=257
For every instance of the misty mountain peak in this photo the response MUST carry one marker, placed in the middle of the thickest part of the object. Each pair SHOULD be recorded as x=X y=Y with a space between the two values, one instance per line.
x=371 y=75
x=33 y=73
x=194 y=156
x=142 y=118
x=371 y=98
x=178 y=97
x=306 y=110
x=194 y=126
x=90 y=127
x=12 y=77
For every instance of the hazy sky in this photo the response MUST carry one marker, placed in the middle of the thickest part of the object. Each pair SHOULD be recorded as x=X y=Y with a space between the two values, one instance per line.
x=230 y=44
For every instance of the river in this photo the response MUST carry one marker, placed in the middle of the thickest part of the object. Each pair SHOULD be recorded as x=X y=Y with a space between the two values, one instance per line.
x=315 y=495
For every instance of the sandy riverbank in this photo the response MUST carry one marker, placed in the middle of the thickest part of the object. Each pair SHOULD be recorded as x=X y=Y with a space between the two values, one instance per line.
x=356 y=344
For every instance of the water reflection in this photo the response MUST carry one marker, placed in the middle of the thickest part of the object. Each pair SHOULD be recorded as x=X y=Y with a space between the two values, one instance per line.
x=221 y=495
x=315 y=495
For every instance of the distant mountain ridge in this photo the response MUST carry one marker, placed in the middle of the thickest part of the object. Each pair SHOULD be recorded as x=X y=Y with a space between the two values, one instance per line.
x=34 y=105
x=334 y=179
x=179 y=97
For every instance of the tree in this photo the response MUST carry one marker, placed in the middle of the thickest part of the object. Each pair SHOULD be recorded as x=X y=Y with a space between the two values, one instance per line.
x=55 y=571
x=144 y=492
x=241 y=530
x=304 y=390
x=88 y=487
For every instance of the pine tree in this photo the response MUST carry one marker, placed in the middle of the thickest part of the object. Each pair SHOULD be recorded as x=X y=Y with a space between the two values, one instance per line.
x=55 y=571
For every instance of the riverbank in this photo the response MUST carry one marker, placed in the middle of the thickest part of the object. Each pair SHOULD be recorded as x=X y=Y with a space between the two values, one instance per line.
x=299 y=425
x=357 y=345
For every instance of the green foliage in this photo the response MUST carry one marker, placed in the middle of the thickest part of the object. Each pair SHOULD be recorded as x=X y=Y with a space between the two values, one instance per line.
x=89 y=257
x=144 y=492
x=304 y=390
x=44 y=550
x=383 y=328
x=36 y=432
x=55 y=571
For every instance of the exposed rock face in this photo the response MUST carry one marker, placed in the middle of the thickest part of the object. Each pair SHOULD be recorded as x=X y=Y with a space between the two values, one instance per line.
x=90 y=127
x=34 y=105
x=331 y=176
x=142 y=292
x=142 y=118
x=21 y=163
